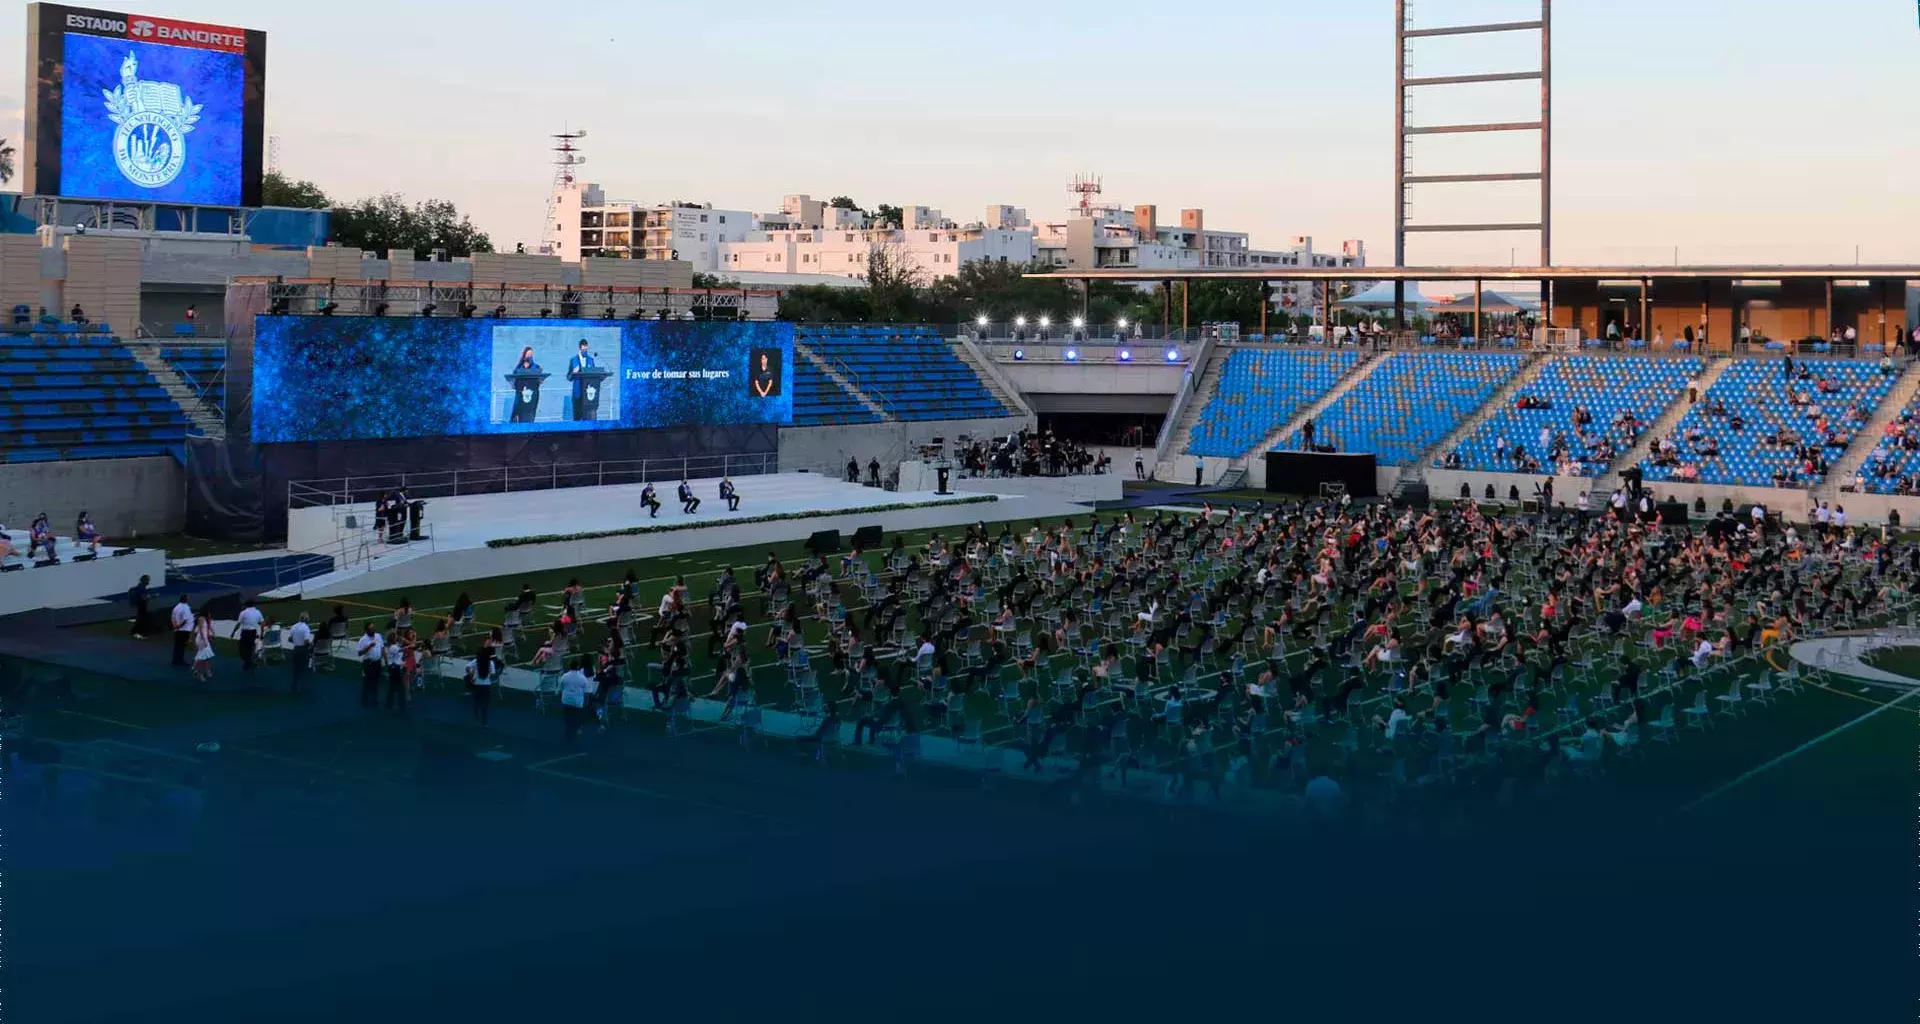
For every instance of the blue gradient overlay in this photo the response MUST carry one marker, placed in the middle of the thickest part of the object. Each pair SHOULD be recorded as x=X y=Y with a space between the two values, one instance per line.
x=347 y=378
x=212 y=79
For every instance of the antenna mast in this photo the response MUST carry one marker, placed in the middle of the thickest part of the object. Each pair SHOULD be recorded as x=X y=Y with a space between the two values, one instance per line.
x=1083 y=188
x=566 y=157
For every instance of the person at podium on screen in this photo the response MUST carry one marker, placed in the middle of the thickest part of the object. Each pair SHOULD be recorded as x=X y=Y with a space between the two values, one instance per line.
x=582 y=361
x=526 y=363
x=651 y=500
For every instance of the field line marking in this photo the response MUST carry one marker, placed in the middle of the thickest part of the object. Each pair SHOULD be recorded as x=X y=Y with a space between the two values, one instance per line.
x=1795 y=752
x=655 y=794
x=103 y=718
x=549 y=762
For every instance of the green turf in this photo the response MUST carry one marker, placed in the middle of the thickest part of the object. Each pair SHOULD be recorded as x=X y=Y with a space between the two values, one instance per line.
x=1901 y=661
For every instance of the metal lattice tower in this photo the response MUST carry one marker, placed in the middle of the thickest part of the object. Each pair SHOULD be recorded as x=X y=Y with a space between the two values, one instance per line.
x=1403 y=182
x=566 y=157
x=1084 y=187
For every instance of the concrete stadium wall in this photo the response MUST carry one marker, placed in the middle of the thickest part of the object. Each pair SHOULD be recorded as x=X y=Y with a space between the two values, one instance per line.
x=1140 y=378
x=127 y=498
x=826 y=449
x=1794 y=505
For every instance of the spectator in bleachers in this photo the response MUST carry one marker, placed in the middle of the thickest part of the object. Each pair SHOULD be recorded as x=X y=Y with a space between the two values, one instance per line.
x=78 y=315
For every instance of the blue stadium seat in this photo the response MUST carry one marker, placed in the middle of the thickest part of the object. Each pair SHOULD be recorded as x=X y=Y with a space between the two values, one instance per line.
x=1607 y=387
x=912 y=371
x=1260 y=390
x=1411 y=401
x=79 y=394
x=1757 y=391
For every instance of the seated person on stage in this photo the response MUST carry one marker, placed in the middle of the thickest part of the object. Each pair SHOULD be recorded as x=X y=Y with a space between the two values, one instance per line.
x=729 y=494
x=6 y=545
x=651 y=501
x=84 y=532
x=689 y=504
x=39 y=535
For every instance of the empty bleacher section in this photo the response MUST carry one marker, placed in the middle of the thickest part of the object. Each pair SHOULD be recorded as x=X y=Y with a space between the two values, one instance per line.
x=1259 y=391
x=820 y=401
x=1781 y=423
x=202 y=367
x=1411 y=402
x=911 y=371
x=73 y=394
x=1607 y=388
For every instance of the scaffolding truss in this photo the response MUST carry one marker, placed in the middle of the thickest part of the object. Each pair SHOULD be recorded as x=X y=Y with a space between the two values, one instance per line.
x=459 y=298
x=1404 y=182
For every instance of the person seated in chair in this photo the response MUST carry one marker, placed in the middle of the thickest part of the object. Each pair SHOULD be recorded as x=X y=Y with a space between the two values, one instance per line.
x=650 y=501
x=729 y=494
x=40 y=534
x=689 y=503
x=78 y=316
x=85 y=533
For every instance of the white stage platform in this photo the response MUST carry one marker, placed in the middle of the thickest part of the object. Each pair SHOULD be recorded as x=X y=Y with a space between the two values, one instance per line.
x=462 y=527
x=72 y=583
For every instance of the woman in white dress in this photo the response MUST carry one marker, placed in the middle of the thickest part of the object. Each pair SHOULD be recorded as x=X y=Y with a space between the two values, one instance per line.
x=203 y=647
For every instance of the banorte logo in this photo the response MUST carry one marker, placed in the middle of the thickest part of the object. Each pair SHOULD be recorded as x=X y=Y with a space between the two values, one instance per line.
x=141 y=29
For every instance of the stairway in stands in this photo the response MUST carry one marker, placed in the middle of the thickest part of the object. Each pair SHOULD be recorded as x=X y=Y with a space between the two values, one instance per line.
x=1669 y=418
x=1203 y=392
x=204 y=417
x=835 y=371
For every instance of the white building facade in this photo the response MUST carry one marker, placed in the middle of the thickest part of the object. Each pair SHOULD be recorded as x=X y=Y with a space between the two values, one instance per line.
x=815 y=239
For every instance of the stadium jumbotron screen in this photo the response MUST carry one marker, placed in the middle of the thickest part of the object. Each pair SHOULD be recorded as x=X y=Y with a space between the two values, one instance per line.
x=319 y=378
x=143 y=109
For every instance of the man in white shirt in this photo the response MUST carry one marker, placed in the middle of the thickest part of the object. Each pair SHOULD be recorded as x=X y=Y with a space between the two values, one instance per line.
x=182 y=621
x=248 y=630
x=1139 y=464
x=1840 y=517
x=574 y=688
x=1702 y=653
x=925 y=652
x=370 y=649
x=301 y=638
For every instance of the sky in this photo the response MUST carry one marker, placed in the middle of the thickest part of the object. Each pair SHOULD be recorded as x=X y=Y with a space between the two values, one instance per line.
x=1697 y=130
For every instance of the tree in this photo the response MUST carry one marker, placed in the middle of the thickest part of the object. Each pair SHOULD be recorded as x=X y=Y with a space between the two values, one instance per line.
x=885 y=216
x=842 y=203
x=6 y=161
x=894 y=278
x=825 y=304
x=277 y=189
x=705 y=280
x=386 y=222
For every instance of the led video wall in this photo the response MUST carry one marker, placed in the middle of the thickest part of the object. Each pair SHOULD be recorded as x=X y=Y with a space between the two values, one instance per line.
x=321 y=378
x=143 y=109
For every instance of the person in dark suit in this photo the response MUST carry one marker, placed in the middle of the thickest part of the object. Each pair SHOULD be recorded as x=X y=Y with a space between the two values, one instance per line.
x=689 y=504
x=651 y=501
x=729 y=494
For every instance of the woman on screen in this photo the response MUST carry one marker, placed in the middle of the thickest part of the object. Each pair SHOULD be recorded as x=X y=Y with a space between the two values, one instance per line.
x=765 y=376
x=526 y=363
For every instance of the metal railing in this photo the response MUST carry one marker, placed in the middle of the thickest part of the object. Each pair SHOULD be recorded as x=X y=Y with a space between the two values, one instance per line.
x=360 y=489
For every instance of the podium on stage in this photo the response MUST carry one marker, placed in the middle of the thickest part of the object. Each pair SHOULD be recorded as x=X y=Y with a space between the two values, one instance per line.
x=586 y=391
x=526 y=394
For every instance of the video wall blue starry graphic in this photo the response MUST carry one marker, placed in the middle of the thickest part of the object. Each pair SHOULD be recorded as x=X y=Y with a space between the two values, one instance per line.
x=348 y=378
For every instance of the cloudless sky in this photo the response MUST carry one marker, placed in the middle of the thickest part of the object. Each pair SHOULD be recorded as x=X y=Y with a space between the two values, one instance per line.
x=1763 y=130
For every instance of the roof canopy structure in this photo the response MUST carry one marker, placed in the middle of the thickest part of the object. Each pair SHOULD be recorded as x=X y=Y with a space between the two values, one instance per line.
x=1490 y=302
x=1827 y=272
